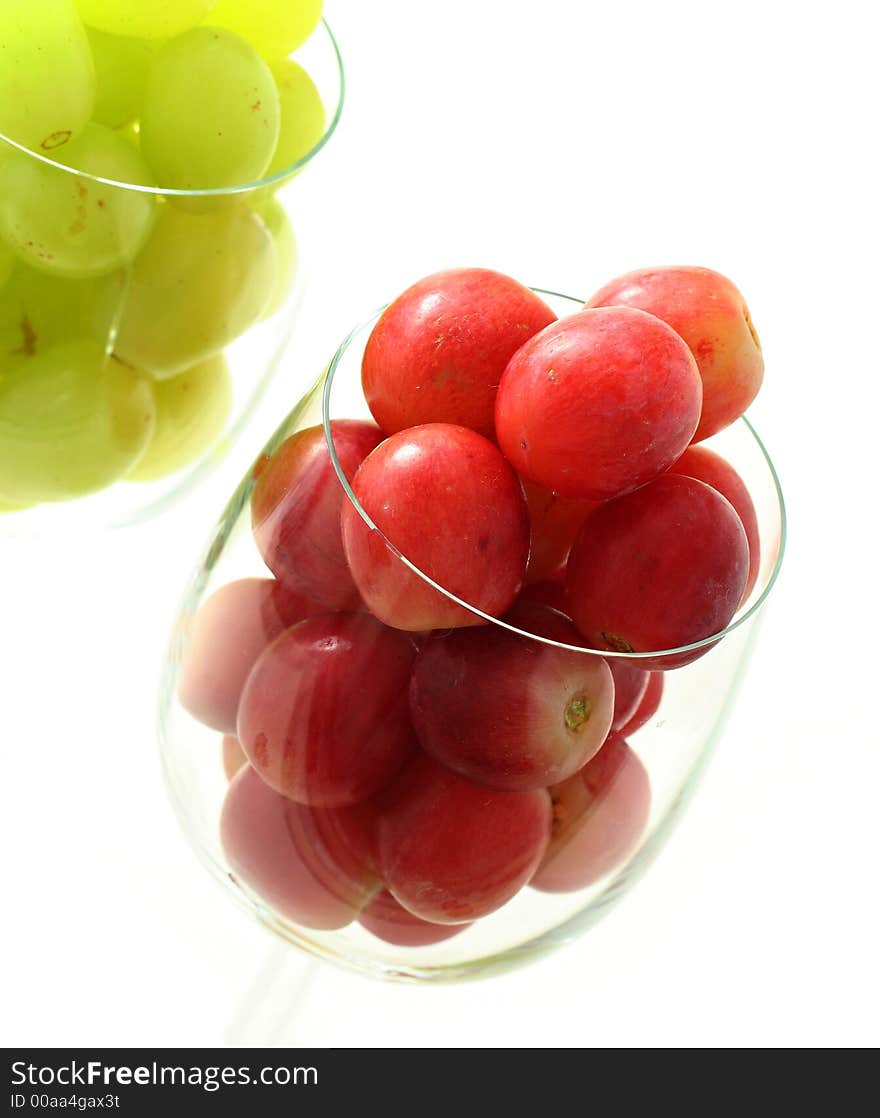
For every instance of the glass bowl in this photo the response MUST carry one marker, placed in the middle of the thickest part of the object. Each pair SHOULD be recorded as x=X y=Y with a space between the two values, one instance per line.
x=640 y=796
x=167 y=343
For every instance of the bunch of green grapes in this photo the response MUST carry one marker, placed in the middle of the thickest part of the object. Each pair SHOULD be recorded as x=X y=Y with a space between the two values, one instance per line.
x=126 y=263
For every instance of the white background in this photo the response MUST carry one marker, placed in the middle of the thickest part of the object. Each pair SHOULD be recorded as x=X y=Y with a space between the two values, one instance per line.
x=563 y=143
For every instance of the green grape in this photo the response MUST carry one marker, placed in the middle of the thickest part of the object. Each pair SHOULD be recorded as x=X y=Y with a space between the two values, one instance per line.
x=191 y=410
x=286 y=252
x=273 y=27
x=47 y=79
x=69 y=224
x=72 y=421
x=38 y=311
x=211 y=114
x=121 y=67
x=200 y=281
x=302 y=115
x=144 y=19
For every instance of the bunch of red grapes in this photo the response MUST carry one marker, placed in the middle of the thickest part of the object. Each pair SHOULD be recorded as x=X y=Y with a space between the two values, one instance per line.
x=398 y=757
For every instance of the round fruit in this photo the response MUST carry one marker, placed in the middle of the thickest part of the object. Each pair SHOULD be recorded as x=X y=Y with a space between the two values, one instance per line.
x=648 y=707
x=72 y=421
x=70 y=224
x=451 y=852
x=705 y=465
x=386 y=919
x=710 y=314
x=555 y=521
x=199 y=282
x=191 y=411
x=275 y=27
x=148 y=19
x=324 y=715
x=658 y=569
x=509 y=712
x=296 y=506
x=444 y=497
x=599 y=403
x=599 y=816
x=47 y=79
x=229 y=632
x=309 y=865
x=550 y=593
x=630 y=684
x=437 y=353
x=302 y=115
x=211 y=114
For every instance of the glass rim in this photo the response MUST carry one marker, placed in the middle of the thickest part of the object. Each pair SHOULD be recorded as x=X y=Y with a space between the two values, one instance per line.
x=630 y=657
x=217 y=191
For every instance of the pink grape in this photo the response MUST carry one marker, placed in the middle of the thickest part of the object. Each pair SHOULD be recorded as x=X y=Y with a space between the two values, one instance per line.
x=323 y=717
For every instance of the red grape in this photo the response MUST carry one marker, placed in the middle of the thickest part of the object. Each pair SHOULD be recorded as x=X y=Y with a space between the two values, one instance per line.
x=648 y=707
x=598 y=403
x=323 y=716
x=543 y=619
x=707 y=466
x=295 y=509
x=554 y=521
x=437 y=353
x=451 y=852
x=710 y=314
x=540 y=609
x=310 y=865
x=509 y=712
x=599 y=815
x=229 y=632
x=446 y=499
x=388 y=920
x=630 y=683
x=660 y=568
x=551 y=593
